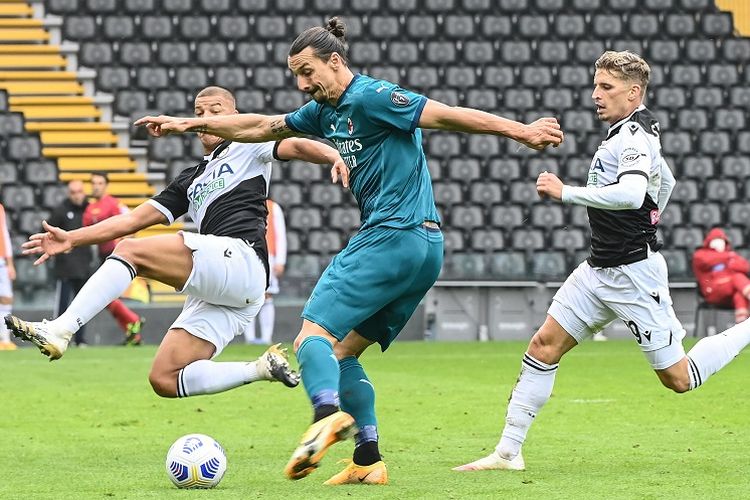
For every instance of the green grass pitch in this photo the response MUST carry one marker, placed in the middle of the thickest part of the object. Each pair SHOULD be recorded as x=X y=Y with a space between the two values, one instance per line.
x=88 y=426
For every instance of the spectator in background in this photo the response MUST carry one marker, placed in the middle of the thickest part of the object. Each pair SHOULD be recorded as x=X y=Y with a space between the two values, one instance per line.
x=276 y=241
x=71 y=269
x=103 y=207
x=722 y=274
x=7 y=276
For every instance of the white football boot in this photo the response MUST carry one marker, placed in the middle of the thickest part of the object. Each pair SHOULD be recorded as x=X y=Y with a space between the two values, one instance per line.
x=50 y=340
x=494 y=461
x=273 y=365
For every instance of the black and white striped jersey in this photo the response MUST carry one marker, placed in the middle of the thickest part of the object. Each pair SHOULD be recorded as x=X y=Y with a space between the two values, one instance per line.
x=632 y=146
x=225 y=194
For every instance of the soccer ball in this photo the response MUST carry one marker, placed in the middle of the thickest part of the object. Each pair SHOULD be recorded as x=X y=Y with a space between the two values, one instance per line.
x=196 y=461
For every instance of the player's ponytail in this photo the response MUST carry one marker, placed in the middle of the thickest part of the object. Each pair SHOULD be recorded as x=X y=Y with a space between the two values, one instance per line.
x=324 y=40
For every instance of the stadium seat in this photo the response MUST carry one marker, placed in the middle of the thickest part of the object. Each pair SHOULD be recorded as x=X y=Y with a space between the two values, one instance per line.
x=128 y=101
x=30 y=276
x=685 y=191
x=267 y=77
x=533 y=26
x=79 y=28
x=729 y=119
x=736 y=50
x=717 y=24
x=458 y=26
x=740 y=97
x=440 y=52
x=54 y=195
x=305 y=218
x=708 y=97
x=286 y=194
x=30 y=221
x=389 y=73
x=422 y=77
x=447 y=193
x=680 y=25
x=464 y=266
x=167 y=148
x=498 y=77
x=607 y=25
x=476 y=5
x=230 y=77
x=250 y=101
x=443 y=145
x=697 y=167
x=547 y=266
x=134 y=54
x=464 y=170
x=739 y=213
x=487 y=240
x=687 y=237
x=692 y=119
x=139 y=6
x=736 y=235
x=479 y=53
x=117 y=28
x=508 y=265
x=191 y=79
x=324 y=241
x=743 y=143
x=40 y=172
x=483 y=146
x=723 y=74
x=671 y=97
x=11 y=124
x=446 y=96
x=671 y=216
x=557 y=98
x=536 y=76
x=523 y=191
x=528 y=239
x=504 y=170
x=250 y=53
x=643 y=25
x=467 y=217
x=174 y=53
x=577 y=215
x=212 y=53
x=62 y=6
x=677 y=263
x=384 y=27
x=484 y=99
x=570 y=26
x=8 y=173
x=486 y=194
x=345 y=219
x=714 y=143
x=24 y=148
x=516 y=53
x=270 y=27
x=460 y=76
x=303 y=266
x=697 y=5
x=182 y=6
x=700 y=51
x=96 y=54
x=735 y=166
x=156 y=27
x=421 y=27
x=496 y=26
x=519 y=99
x=705 y=214
x=635 y=46
x=578 y=121
x=325 y=194
x=676 y=143
x=537 y=165
x=453 y=240
x=553 y=51
x=365 y=53
x=171 y=101
x=575 y=76
x=721 y=190
x=688 y=75
x=546 y=216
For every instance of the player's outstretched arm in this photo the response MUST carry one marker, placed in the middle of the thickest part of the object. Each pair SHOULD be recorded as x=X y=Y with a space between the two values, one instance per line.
x=315 y=152
x=626 y=194
x=536 y=135
x=248 y=127
x=55 y=241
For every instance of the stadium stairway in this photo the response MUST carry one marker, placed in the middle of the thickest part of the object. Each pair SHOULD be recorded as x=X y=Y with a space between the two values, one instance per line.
x=741 y=12
x=72 y=122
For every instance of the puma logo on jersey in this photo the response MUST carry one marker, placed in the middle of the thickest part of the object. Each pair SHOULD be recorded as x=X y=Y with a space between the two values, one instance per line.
x=381 y=88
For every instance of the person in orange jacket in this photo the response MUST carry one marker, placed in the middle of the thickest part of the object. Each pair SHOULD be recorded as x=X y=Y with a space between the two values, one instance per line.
x=722 y=274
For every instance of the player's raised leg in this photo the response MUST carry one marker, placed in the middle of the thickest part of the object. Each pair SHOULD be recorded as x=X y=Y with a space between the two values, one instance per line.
x=358 y=399
x=164 y=258
x=183 y=367
x=320 y=376
x=532 y=390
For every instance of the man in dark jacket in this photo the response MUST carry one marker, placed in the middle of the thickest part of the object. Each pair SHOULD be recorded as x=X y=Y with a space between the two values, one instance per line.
x=74 y=268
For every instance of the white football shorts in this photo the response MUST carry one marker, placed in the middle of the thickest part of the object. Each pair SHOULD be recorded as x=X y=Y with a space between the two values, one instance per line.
x=638 y=294
x=225 y=290
x=6 y=286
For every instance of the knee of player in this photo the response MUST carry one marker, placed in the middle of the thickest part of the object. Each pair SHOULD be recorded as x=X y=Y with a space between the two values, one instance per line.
x=6 y=301
x=163 y=385
x=129 y=249
x=678 y=386
x=542 y=350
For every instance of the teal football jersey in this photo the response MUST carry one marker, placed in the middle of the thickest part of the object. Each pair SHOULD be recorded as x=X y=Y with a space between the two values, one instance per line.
x=374 y=127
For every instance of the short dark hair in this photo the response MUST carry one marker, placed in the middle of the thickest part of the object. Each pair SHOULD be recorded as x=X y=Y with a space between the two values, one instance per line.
x=324 y=41
x=101 y=174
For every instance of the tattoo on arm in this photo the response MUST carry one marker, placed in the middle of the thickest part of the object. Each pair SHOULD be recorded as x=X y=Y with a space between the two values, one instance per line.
x=198 y=128
x=280 y=129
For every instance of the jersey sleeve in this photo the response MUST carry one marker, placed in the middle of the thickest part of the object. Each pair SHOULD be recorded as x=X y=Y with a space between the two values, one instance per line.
x=391 y=106
x=305 y=120
x=173 y=200
x=634 y=155
x=267 y=151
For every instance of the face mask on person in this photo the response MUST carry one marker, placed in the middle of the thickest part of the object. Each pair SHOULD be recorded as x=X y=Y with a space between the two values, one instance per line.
x=718 y=244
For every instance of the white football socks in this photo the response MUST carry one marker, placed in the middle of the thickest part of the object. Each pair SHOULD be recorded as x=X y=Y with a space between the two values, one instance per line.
x=105 y=285
x=209 y=377
x=5 y=309
x=711 y=354
x=267 y=316
x=531 y=392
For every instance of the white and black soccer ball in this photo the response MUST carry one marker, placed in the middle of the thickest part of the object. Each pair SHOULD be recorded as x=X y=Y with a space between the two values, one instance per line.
x=196 y=461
